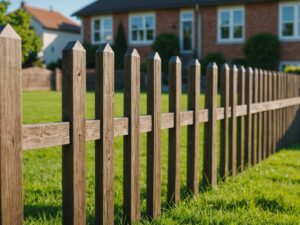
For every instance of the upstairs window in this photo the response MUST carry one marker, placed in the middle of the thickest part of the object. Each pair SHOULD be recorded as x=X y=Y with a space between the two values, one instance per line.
x=289 y=21
x=186 y=31
x=102 y=30
x=231 y=23
x=142 y=29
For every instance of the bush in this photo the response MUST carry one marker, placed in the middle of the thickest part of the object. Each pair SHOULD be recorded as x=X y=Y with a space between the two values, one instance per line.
x=167 y=45
x=54 y=65
x=216 y=57
x=239 y=62
x=292 y=69
x=90 y=54
x=262 y=51
x=120 y=47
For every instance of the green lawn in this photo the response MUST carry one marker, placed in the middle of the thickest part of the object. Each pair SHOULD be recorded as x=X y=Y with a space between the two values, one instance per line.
x=267 y=194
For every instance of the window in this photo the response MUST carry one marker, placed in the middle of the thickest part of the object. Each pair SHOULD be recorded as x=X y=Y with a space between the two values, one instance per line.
x=284 y=64
x=289 y=21
x=142 y=29
x=231 y=23
x=186 y=31
x=102 y=30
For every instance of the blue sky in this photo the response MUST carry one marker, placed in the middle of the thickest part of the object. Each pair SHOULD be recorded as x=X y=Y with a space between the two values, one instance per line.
x=66 y=7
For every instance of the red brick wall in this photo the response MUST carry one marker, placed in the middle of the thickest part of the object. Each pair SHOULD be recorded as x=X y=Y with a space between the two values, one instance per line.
x=87 y=29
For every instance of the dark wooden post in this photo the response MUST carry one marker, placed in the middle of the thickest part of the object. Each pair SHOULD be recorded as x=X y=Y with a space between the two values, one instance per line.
x=73 y=111
x=248 y=127
x=11 y=187
x=104 y=148
x=260 y=116
x=241 y=121
x=193 y=130
x=254 y=144
x=210 y=132
x=233 y=121
x=174 y=133
x=265 y=115
x=270 y=120
x=225 y=91
x=132 y=140
x=274 y=116
x=154 y=137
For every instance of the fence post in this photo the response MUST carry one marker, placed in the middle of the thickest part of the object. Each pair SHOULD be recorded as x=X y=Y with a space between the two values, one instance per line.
x=154 y=137
x=174 y=133
x=193 y=130
x=248 y=127
x=274 y=121
x=104 y=148
x=132 y=140
x=265 y=115
x=225 y=91
x=233 y=120
x=241 y=121
x=270 y=113
x=210 y=132
x=11 y=187
x=73 y=154
x=260 y=116
x=255 y=119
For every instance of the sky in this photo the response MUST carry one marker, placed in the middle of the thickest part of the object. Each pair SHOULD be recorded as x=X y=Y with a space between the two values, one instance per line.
x=66 y=7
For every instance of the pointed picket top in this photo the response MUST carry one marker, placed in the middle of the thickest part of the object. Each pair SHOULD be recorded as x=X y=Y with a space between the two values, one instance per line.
x=194 y=62
x=234 y=68
x=225 y=67
x=105 y=48
x=154 y=56
x=8 y=32
x=175 y=59
x=74 y=45
x=212 y=65
x=249 y=70
x=132 y=52
x=242 y=69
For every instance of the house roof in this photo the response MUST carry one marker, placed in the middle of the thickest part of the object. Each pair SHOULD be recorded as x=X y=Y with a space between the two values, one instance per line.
x=115 y=6
x=52 y=20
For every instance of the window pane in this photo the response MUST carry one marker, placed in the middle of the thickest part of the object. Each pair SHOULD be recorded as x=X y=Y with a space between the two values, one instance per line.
x=288 y=29
x=187 y=16
x=107 y=36
x=238 y=17
x=149 y=22
x=140 y=35
x=224 y=32
x=288 y=13
x=187 y=35
x=107 y=24
x=224 y=18
x=96 y=36
x=238 y=32
x=134 y=35
x=136 y=22
x=96 y=24
x=150 y=35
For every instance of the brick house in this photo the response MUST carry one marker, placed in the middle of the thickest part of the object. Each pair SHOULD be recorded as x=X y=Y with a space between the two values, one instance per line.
x=202 y=26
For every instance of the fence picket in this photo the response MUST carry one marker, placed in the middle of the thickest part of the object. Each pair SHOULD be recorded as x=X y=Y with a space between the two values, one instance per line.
x=248 y=127
x=260 y=116
x=265 y=115
x=254 y=143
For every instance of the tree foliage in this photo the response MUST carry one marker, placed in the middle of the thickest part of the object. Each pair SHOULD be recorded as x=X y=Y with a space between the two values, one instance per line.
x=20 y=21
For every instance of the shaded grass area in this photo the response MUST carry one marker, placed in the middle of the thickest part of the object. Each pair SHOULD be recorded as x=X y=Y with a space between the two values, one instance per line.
x=267 y=194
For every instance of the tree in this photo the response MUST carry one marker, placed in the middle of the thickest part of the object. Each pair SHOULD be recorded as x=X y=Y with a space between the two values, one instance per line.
x=20 y=21
x=120 y=46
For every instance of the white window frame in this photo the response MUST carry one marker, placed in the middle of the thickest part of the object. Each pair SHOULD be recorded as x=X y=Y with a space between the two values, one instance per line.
x=290 y=63
x=296 y=35
x=231 y=39
x=181 y=31
x=101 y=31
x=143 y=15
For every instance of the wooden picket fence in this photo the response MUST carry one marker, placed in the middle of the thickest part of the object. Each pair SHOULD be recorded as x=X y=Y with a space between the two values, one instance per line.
x=259 y=114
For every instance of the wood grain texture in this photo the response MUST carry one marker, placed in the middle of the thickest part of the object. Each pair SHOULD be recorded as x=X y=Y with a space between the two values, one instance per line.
x=154 y=136
x=233 y=121
x=274 y=113
x=270 y=116
x=175 y=72
x=193 y=130
x=11 y=189
x=254 y=144
x=73 y=154
x=248 y=122
x=225 y=91
x=210 y=129
x=241 y=120
x=132 y=140
x=260 y=117
x=265 y=115
x=104 y=148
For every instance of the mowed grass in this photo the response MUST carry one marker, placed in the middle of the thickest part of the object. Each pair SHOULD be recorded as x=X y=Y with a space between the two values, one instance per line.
x=267 y=194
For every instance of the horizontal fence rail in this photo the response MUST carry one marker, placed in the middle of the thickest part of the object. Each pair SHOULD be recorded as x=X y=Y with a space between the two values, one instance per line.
x=259 y=114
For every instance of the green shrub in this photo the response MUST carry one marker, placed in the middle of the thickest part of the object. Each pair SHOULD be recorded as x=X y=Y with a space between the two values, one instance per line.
x=262 y=51
x=239 y=62
x=292 y=69
x=216 y=57
x=167 y=45
x=90 y=54
x=120 y=47
x=54 y=65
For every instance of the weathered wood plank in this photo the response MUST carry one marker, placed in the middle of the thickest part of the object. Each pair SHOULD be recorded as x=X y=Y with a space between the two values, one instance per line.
x=254 y=144
x=11 y=189
x=248 y=123
x=193 y=130
x=270 y=116
x=174 y=133
x=265 y=117
x=210 y=132
x=154 y=136
x=260 y=116
x=104 y=147
x=131 y=193
x=73 y=154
